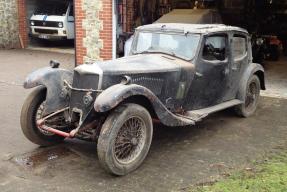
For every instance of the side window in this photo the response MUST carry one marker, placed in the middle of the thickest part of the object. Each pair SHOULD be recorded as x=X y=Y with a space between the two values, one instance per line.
x=215 y=48
x=239 y=47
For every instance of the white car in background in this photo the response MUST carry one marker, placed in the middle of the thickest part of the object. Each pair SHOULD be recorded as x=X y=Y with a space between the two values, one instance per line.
x=53 y=21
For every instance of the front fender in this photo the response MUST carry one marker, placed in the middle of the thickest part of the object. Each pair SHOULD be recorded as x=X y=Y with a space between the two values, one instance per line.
x=253 y=69
x=53 y=80
x=116 y=94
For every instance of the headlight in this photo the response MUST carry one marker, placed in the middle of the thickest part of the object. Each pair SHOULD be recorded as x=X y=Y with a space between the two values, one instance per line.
x=32 y=23
x=60 y=25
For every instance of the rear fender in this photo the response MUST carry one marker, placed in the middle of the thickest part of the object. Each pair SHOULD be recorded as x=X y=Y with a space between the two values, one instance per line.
x=115 y=95
x=253 y=69
x=53 y=79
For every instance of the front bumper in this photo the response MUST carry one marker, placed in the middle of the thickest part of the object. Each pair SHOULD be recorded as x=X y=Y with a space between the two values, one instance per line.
x=49 y=33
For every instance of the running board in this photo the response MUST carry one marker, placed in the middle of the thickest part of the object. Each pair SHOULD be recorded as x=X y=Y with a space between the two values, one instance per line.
x=198 y=115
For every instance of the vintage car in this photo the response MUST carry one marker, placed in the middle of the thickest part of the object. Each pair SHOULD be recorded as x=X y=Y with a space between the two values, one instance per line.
x=176 y=75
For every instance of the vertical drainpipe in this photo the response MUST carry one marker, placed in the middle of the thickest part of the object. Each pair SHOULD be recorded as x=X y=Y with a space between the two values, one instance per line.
x=114 y=32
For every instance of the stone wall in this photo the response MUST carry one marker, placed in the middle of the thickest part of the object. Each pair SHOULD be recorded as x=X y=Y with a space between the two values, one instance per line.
x=93 y=30
x=9 y=36
x=92 y=25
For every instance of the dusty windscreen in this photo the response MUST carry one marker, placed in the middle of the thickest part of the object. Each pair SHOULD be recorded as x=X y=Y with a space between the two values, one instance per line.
x=179 y=45
x=58 y=8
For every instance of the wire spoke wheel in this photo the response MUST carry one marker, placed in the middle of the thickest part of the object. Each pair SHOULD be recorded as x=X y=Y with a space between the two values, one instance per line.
x=125 y=139
x=130 y=140
x=57 y=122
x=32 y=111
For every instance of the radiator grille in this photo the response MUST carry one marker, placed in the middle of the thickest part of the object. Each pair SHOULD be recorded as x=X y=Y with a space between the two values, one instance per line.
x=85 y=81
x=46 y=23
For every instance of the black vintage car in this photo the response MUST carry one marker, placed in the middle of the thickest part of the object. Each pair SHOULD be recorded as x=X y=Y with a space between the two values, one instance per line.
x=176 y=74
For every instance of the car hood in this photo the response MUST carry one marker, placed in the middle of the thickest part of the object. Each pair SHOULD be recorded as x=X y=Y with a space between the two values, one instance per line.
x=137 y=64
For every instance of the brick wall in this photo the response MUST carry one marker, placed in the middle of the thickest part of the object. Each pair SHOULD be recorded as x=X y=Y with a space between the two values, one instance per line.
x=9 y=36
x=106 y=32
x=93 y=30
x=22 y=22
x=80 y=32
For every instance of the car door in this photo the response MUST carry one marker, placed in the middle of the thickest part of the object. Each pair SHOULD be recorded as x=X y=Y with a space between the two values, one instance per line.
x=239 y=60
x=209 y=85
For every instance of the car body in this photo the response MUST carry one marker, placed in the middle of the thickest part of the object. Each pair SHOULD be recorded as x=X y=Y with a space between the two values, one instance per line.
x=177 y=74
x=53 y=21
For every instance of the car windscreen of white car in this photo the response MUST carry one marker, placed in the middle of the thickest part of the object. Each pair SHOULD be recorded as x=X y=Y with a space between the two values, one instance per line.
x=57 y=9
x=179 y=45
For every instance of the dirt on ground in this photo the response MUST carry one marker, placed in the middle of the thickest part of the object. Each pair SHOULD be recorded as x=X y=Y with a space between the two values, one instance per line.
x=178 y=157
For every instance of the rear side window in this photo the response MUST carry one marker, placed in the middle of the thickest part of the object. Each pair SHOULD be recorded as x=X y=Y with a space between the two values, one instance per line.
x=239 y=47
x=215 y=48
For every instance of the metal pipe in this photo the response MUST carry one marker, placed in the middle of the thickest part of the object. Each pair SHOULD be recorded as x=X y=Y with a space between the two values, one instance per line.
x=41 y=125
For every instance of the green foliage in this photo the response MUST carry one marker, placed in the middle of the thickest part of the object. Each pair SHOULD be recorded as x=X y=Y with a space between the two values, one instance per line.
x=270 y=176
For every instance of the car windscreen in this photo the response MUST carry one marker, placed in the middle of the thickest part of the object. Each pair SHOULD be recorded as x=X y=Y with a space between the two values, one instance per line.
x=175 y=44
x=58 y=8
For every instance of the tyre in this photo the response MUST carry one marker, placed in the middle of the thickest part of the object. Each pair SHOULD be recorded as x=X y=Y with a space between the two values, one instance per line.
x=252 y=95
x=31 y=112
x=125 y=139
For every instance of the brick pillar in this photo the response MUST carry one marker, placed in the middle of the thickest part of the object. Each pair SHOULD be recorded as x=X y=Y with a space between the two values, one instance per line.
x=80 y=15
x=106 y=34
x=93 y=30
x=23 y=33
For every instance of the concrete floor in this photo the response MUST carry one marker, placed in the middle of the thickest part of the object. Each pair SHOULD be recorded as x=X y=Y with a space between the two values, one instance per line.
x=276 y=79
x=60 y=46
x=178 y=158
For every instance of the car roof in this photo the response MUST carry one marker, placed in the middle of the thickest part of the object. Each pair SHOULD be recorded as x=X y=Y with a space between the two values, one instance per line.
x=192 y=28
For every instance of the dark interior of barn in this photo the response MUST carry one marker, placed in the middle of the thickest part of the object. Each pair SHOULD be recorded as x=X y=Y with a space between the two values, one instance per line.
x=262 y=18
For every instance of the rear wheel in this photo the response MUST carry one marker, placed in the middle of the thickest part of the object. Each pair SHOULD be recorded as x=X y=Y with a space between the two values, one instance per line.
x=125 y=139
x=32 y=111
x=252 y=95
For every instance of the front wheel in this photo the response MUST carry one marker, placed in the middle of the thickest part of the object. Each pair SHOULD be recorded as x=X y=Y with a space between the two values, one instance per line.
x=252 y=95
x=32 y=111
x=125 y=139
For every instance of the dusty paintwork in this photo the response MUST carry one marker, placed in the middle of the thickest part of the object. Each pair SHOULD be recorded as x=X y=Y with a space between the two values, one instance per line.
x=167 y=86
x=53 y=79
x=194 y=28
x=156 y=77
